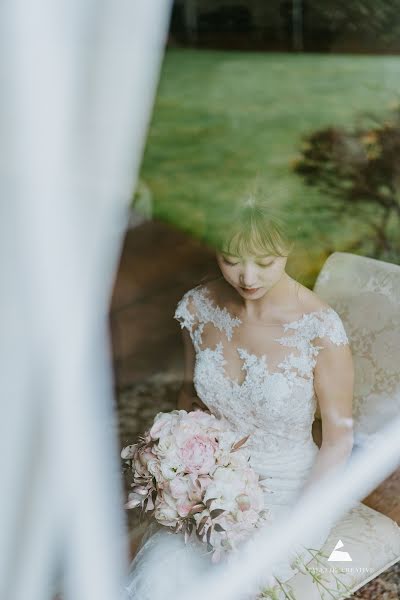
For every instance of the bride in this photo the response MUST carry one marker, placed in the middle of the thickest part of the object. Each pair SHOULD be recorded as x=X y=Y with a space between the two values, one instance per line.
x=262 y=352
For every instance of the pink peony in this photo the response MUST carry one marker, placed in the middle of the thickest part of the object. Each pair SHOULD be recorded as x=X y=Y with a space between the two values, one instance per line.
x=198 y=454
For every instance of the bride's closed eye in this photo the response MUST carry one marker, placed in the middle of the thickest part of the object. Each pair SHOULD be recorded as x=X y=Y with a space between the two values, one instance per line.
x=266 y=264
x=228 y=262
x=231 y=263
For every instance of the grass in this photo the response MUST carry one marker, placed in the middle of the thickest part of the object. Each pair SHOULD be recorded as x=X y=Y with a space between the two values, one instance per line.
x=222 y=119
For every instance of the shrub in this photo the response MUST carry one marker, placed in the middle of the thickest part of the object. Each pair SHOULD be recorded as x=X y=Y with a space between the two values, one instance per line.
x=359 y=171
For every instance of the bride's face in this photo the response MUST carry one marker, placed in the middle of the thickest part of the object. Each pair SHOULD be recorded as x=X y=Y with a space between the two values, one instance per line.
x=251 y=276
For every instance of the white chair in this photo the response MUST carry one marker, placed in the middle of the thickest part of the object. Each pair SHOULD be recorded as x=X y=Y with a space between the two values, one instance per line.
x=366 y=294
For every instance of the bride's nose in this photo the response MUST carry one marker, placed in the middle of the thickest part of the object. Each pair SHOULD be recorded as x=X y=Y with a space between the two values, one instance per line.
x=247 y=276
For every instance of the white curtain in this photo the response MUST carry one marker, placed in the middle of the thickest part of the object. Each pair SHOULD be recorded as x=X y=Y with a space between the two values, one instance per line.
x=78 y=79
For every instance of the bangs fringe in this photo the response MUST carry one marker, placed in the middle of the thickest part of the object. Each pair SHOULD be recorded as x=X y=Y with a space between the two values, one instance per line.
x=250 y=239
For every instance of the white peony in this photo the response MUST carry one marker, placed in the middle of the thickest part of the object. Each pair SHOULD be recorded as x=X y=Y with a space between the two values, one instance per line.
x=165 y=510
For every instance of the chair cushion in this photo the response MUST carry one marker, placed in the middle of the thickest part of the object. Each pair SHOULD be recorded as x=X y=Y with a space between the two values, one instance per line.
x=366 y=294
x=370 y=538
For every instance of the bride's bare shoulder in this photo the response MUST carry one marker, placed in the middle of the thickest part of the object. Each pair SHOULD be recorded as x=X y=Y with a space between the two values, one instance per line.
x=218 y=291
x=309 y=301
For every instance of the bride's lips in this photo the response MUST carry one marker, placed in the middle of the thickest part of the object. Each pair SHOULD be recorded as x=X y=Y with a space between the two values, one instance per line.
x=249 y=290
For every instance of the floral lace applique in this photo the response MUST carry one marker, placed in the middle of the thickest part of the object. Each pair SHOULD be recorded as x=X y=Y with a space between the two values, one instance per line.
x=206 y=311
x=278 y=401
x=322 y=323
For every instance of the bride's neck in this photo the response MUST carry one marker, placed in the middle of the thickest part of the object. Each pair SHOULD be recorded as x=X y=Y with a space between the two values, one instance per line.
x=272 y=302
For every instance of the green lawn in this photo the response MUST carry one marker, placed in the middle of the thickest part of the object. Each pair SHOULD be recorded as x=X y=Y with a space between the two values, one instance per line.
x=222 y=119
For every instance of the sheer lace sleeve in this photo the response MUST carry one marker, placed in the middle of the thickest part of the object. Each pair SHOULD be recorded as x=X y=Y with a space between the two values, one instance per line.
x=186 y=314
x=327 y=331
x=328 y=328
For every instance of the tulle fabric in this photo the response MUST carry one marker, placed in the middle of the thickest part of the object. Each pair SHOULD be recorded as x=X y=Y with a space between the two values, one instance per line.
x=165 y=565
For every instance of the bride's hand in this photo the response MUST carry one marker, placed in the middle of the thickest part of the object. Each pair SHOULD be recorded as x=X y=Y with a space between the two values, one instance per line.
x=188 y=399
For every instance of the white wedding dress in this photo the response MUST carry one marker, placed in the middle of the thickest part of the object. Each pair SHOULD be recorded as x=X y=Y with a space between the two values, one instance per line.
x=273 y=400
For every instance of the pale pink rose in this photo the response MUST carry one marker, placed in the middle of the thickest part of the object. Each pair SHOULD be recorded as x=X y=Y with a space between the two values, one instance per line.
x=198 y=454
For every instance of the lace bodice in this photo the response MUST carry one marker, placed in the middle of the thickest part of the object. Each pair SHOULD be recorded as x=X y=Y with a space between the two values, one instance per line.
x=274 y=398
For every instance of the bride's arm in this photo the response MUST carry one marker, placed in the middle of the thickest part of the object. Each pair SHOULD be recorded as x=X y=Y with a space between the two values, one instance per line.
x=334 y=386
x=187 y=397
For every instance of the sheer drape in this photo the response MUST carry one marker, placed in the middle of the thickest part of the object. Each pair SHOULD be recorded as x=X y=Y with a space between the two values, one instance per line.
x=78 y=79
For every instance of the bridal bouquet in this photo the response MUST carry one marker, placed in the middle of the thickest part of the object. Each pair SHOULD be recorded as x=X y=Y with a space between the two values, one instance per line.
x=193 y=473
